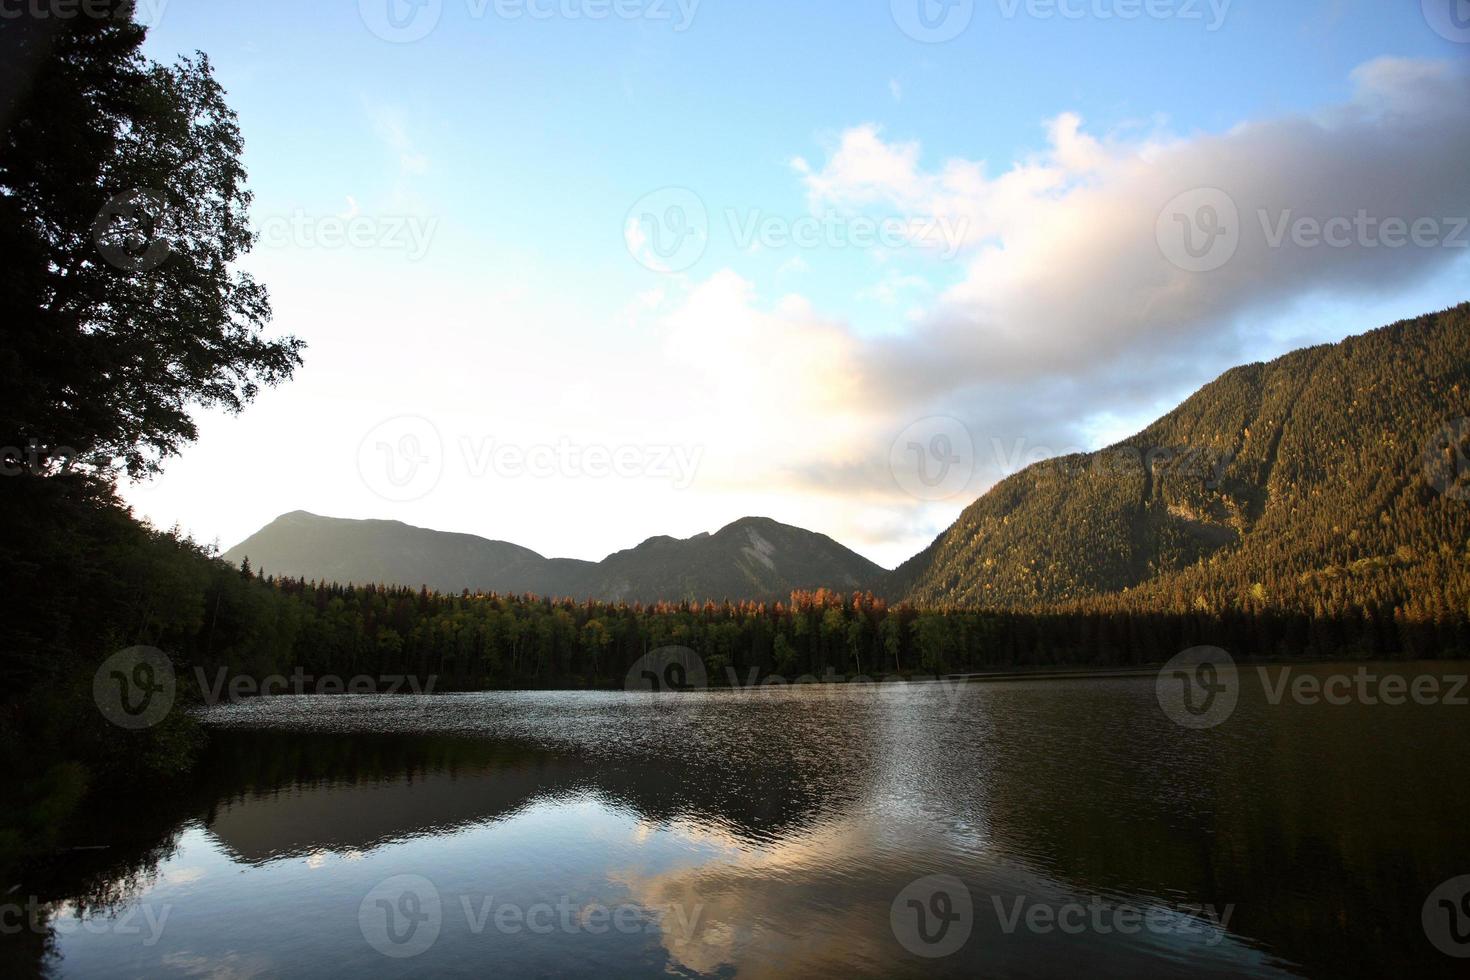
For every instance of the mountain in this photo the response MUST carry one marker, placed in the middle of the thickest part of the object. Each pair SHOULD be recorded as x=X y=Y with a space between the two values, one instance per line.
x=390 y=552
x=1323 y=478
x=753 y=558
x=1320 y=475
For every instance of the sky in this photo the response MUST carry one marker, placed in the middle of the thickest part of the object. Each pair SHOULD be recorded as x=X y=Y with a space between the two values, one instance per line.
x=573 y=273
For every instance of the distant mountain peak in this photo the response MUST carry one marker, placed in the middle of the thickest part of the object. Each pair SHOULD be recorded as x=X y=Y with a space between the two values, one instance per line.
x=751 y=558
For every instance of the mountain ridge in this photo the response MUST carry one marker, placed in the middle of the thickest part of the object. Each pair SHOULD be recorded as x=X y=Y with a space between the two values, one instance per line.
x=1201 y=509
x=1270 y=474
x=748 y=558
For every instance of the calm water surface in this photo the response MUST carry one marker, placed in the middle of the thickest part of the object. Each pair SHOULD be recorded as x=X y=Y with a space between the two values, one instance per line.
x=785 y=831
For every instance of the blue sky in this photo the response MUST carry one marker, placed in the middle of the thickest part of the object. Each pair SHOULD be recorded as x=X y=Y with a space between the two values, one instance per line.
x=496 y=297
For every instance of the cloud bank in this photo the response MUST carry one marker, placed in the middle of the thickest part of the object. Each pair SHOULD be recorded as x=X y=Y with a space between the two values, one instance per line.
x=1079 y=296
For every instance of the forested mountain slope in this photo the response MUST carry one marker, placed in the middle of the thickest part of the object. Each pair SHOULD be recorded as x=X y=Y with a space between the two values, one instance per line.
x=1324 y=479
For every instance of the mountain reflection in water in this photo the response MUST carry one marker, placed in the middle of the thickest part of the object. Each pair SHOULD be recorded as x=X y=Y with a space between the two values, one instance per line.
x=772 y=832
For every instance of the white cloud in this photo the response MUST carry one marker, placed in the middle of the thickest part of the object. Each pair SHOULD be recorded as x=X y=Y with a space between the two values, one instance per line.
x=1064 y=269
x=792 y=266
x=1069 y=320
x=389 y=125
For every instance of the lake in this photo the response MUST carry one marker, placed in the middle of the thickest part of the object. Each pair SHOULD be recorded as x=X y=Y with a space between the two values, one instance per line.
x=1033 y=828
